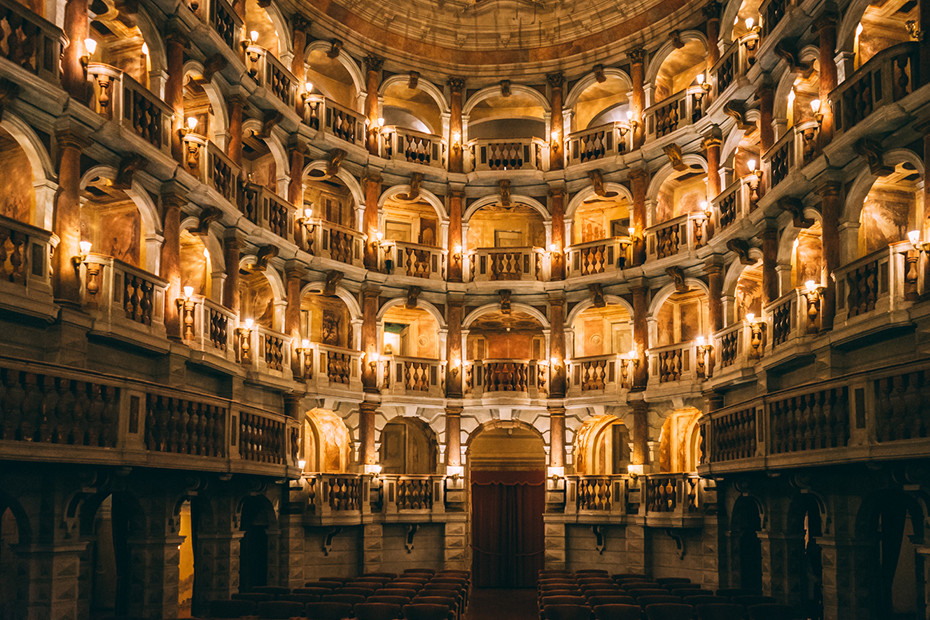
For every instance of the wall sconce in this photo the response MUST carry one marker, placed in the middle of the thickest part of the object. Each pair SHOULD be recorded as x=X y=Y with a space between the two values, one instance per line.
x=457 y=253
x=252 y=52
x=812 y=295
x=456 y=141
x=635 y=470
x=83 y=253
x=301 y=464
x=703 y=350
x=756 y=336
x=244 y=334
x=186 y=306
x=373 y=359
x=912 y=30
x=305 y=358
x=703 y=83
x=455 y=367
x=555 y=140
x=816 y=108
x=91 y=46
x=307 y=91
x=373 y=470
x=455 y=471
x=632 y=121
x=555 y=473
x=700 y=218
x=914 y=237
x=752 y=180
x=190 y=125
x=555 y=363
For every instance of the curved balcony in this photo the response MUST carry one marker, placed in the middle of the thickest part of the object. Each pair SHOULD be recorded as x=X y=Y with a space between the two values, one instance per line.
x=33 y=43
x=209 y=328
x=212 y=167
x=598 y=375
x=887 y=77
x=413 y=260
x=684 y=108
x=412 y=376
x=678 y=364
x=872 y=288
x=271 y=74
x=119 y=98
x=331 y=119
x=730 y=206
x=598 y=143
x=264 y=351
x=222 y=18
x=729 y=69
x=506 y=154
x=520 y=378
x=594 y=257
x=413 y=147
x=25 y=269
x=330 y=367
x=507 y=264
x=331 y=241
x=267 y=210
x=794 y=150
x=680 y=235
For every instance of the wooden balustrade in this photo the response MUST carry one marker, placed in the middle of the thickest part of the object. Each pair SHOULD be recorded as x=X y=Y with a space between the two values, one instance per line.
x=406 y=492
x=595 y=493
x=332 y=241
x=901 y=410
x=772 y=12
x=809 y=420
x=262 y=438
x=734 y=435
x=25 y=269
x=521 y=376
x=122 y=296
x=675 y=112
x=730 y=345
x=213 y=167
x=119 y=98
x=732 y=65
x=887 y=77
x=792 y=316
x=182 y=426
x=872 y=285
x=269 y=72
x=506 y=154
x=413 y=260
x=413 y=147
x=730 y=205
x=30 y=42
x=592 y=373
x=329 y=117
x=595 y=257
x=795 y=149
x=672 y=493
x=498 y=264
x=224 y=20
x=274 y=350
x=210 y=327
x=684 y=233
x=331 y=366
x=412 y=375
x=672 y=363
x=266 y=209
x=599 y=142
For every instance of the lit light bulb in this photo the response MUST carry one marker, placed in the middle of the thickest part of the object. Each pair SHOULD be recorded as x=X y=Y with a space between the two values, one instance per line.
x=301 y=463
x=632 y=231
x=206 y=253
x=456 y=137
x=145 y=49
x=700 y=341
x=249 y=323
x=85 y=247
x=308 y=87
x=750 y=317
x=811 y=286
x=750 y=22
x=751 y=164
x=380 y=123
x=913 y=236
x=699 y=79
x=253 y=36
x=188 y=292
x=555 y=135
x=629 y=115
x=815 y=105
x=553 y=247
x=91 y=45
x=305 y=343
x=191 y=123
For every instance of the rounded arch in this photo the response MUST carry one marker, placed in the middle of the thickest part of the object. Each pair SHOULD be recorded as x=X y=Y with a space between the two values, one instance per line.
x=153 y=37
x=492 y=307
x=496 y=424
x=516 y=199
x=664 y=173
x=215 y=96
x=735 y=270
x=427 y=196
x=342 y=174
x=846 y=32
x=493 y=91
x=743 y=503
x=327 y=441
x=799 y=505
x=355 y=72
x=859 y=189
x=24 y=528
x=211 y=241
x=669 y=289
x=271 y=274
x=40 y=165
x=143 y=201
x=425 y=85
x=589 y=303
x=318 y=286
x=727 y=16
x=786 y=82
x=621 y=192
x=590 y=79
x=400 y=455
x=274 y=144
x=789 y=232
x=591 y=442
x=659 y=56
x=281 y=27
x=421 y=304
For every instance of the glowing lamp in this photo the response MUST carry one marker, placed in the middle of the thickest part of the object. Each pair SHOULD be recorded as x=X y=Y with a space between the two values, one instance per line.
x=913 y=236
x=811 y=286
x=188 y=292
x=91 y=46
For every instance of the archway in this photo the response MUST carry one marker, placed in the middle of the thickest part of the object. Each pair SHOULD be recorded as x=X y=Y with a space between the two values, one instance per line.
x=745 y=525
x=10 y=539
x=679 y=444
x=602 y=447
x=327 y=444
x=805 y=527
x=18 y=201
x=507 y=466
x=257 y=524
x=893 y=206
x=408 y=446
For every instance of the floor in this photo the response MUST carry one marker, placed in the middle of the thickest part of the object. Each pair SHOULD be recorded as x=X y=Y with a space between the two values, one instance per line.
x=494 y=604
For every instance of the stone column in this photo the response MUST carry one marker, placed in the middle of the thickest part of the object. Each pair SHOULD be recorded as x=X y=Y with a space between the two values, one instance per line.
x=846 y=582
x=456 y=243
x=76 y=29
x=175 y=42
x=456 y=159
x=370 y=218
x=372 y=83
x=766 y=97
x=826 y=32
x=831 y=204
x=295 y=187
x=640 y=290
x=640 y=432
x=453 y=436
x=154 y=563
x=714 y=270
x=639 y=179
x=557 y=255
x=171 y=261
x=293 y=274
x=367 y=455
x=556 y=436
x=769 y=263
x=67 y=220
x=638 y=101
x=301 y=26
x=712 y=15
x=236 y=107
x=557 y=347
x=370 y=345
x=712 y=143
x=556 y=151
x=231 y=248
x=48 y=579
x=455 y=312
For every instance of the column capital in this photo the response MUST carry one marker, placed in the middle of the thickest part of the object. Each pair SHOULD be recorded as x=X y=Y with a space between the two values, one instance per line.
x=176 y=36
x=829 y=189
x=70 y=138
x=454 y=410
x=555 y=410
x=556 y=190
x=293 y=269
x=368 y=406
x=638 y=284
x=637 y=174
x=233 y=236
x=373 y=62
x=637 y=55
x=714 y=264
x=829 y=17
x=372 y=175
x=457 y=84
x=556 y=80
x=713 y=138
x=711 y=10
x=301 y=23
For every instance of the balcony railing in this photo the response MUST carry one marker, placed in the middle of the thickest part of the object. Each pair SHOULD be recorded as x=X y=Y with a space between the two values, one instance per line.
x=732 y=65
x=684 y=233
x=792 y=151
x=331 y=495
x=123 y=297
x=270 y=73
x=211 y=328
x=332 y=241
x=599 y=142
x=596 y=373
x=597 y=495
x=791 y=317
x=772 y=12
x=672 y=113
x=33 y=43
x=73 y=416
x=731 y=350
x=887 y=77
x=506 y=154
x=272 y=352
x=524 y=377
x=730 y=205
x=219 y=14
x=413 y=260
x=412 y=376
x=266 y=209
x=413 y=147
x=501 y=264
x=212 y=166
x=121 y=99
x=593 y=257
x=329 y=117
x=327 y=366
x=872 y=286
x=25 y=270
x=674 y=363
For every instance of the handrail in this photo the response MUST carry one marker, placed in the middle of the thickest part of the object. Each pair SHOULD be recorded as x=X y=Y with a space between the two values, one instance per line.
x=33 y=43
x=414 y=147
x=120 y=98
x=506 y=154
x=602 y=141
x=592 y=257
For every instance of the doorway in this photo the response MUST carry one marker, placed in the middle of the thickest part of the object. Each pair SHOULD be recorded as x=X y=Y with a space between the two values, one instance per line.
x=508 y=469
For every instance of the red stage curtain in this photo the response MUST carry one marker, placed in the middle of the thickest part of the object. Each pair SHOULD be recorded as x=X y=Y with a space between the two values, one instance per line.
x=507 y=528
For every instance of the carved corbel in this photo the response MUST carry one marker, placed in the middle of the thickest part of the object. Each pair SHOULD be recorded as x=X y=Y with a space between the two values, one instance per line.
x=740 y=247
x=675 y=37
x=335 y=49
x=597 y=295
x=505 y=192
x=599 y=74
x=414 y=80
x=335 y=162
x=416 y=179
x=796 y=209
x=213 y=65
x=264 y=255
x=269 y=120
x=408 y=540
x=505 y=88
x=678 y=277
x=333 y=278
x=328 y=540
x=207 y=216
x=737 y=111
x=673 y=152
x=412 y=294
x=787 y=51
x=127 y=168
x=504 y=295
x=872 y=152
x=597 y=180
x=8 y=91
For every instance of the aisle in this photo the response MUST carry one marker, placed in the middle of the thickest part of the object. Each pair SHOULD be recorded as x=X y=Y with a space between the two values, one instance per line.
x=494 y=604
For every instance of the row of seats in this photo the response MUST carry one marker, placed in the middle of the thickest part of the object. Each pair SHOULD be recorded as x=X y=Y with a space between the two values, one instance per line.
x=587 y=594
x=417 y=594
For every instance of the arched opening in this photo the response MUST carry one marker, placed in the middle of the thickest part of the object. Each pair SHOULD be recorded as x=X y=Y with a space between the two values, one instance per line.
x=682 y=318
x=325 y=319
x=186 y=561
x=601 y=103
x=893 y=206
x=805 y=528
x=256 y=298
x=601 y=217
x=196 y=266
x=330 y=77
x=512 y=336
x=18 y=198
x=327 y=444
x=507 y=462
x=120 y=43
x=748 y=10
x=517 y=116
x=681 y=193
x=602 y=447
x=804 y=91
x=258 y=21
x=112 y=223
x=679 y=69
x=258 y=524
x=607 y=330
x=745 y=525
x=807 y=257
x=414 y=222
x=410 y=332
x=679 y=448
x=511 y=226
x=9 y=562
x=197 y=106
x=258 y=163
x=747 y=296
x=410 y=108
x=408 y=446
x=329 y=201
x=883 y=26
